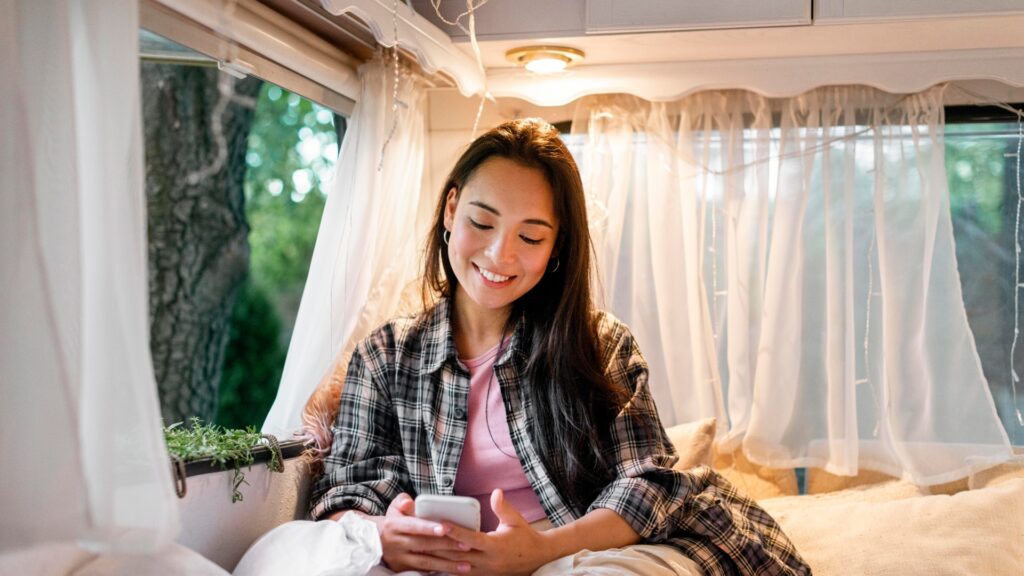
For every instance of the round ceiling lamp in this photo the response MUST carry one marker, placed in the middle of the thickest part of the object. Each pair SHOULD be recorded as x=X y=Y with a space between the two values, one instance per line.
x=545 y=59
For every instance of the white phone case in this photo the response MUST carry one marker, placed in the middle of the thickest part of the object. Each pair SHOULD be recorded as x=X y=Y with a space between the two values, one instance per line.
x=461 y=510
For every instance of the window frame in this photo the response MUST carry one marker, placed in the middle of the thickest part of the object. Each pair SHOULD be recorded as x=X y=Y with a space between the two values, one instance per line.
x=221 y=49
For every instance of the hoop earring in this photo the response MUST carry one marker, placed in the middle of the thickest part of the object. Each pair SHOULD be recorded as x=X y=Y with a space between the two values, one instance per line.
x=445 y=236
x=557 y=264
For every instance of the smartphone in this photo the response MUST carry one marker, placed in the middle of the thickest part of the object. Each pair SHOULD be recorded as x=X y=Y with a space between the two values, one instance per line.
x=461 y=510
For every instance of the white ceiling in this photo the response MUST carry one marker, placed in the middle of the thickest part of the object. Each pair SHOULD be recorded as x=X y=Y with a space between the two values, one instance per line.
x=899 y=55
x=820 y=40
x=957 y=33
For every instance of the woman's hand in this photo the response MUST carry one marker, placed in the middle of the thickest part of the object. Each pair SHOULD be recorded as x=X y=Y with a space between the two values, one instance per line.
x=411 y=543
x=513 y=548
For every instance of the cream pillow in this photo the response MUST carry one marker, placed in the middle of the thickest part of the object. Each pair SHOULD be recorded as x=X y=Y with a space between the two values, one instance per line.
x=758 y=482
x=998 y=474
x=173 y=559
x=881 y=492
x=50 y=559
x=693 y=442
x=876 y=531
x=822 y=482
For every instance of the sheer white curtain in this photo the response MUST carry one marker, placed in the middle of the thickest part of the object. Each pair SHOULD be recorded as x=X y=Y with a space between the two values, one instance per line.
x=81 y=436
x=368 y=248
x=788 y=266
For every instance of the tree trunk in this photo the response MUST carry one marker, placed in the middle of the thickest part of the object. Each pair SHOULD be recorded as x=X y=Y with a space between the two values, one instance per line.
x=196 y=124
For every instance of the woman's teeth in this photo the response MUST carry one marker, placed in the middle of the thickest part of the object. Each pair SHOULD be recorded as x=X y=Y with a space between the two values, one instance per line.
x=492 y=276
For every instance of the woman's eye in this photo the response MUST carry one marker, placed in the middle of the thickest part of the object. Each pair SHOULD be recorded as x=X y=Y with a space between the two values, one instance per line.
x=531 y=240
x=479 y=225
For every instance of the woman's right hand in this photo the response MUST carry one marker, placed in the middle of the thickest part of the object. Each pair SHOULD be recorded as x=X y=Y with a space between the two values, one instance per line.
x=407 y=541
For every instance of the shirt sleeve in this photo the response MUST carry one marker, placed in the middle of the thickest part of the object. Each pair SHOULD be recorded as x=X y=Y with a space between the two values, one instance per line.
x=644 y=489
x=366 y=468
x=696 y=510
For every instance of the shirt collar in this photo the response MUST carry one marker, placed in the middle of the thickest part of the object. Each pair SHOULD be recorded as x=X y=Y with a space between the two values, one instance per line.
x=439 y=341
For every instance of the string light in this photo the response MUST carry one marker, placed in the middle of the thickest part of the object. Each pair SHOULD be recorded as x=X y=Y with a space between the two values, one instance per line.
x=1014 y=378
x=394 y=87
x=470 y=7
x=470 y=12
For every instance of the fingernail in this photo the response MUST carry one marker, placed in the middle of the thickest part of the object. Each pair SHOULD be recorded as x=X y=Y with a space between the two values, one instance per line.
x=439 y=530
x=463 y=567
x=463 y=546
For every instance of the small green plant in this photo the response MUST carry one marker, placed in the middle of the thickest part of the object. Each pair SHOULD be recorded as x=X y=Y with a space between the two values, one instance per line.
x=225 y=447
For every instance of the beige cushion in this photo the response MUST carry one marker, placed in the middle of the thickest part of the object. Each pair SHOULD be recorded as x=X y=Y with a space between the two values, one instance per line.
x=66 y=559
x=822 y=482
x=998 y=474
x=50 y=559
x=754 y=480
x=887 y=529
x=693 y=442
x=173 y=559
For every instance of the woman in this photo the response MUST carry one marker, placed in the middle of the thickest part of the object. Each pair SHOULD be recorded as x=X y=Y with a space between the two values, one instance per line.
x=511 y=388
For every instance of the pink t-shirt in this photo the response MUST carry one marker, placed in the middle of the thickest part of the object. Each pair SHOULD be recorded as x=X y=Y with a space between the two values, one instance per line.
x=486 y=463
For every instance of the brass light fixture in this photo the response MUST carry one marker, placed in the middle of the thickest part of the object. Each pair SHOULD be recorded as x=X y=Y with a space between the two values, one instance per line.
x=545 y=59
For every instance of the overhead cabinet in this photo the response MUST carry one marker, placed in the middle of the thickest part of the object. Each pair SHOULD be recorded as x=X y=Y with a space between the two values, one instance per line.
x=511 y=19
x=521 y=19
x=872 y=10
x=606 y=16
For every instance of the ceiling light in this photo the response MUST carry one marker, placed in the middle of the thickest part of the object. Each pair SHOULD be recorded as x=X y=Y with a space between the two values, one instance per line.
x=544 y=59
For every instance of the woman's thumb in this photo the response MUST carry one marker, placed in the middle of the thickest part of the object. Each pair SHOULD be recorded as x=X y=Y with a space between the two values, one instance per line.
x=506 y=513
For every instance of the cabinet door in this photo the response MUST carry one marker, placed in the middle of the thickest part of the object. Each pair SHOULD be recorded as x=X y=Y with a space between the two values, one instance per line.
x=650 y=15
x=863 y=10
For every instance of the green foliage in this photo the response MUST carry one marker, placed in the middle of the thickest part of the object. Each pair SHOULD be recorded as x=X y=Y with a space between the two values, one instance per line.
x=253 y=360
x=975 y=171
x=292 y=150
x=226 y=448
x=290 y=158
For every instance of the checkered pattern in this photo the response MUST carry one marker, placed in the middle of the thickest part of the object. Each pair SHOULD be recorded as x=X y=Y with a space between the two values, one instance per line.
x=402 y=424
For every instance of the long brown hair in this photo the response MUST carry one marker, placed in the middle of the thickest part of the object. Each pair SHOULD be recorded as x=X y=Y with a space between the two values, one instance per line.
x=574 y=402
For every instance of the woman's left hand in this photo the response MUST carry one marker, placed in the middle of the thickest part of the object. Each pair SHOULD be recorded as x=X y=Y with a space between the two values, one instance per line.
x=513 y=548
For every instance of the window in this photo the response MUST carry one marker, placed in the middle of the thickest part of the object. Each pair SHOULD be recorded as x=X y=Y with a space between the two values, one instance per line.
x=982 y=167
x=237 y=171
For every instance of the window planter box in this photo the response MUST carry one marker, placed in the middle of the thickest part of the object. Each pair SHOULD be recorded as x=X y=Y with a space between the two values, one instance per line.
x=222 y=530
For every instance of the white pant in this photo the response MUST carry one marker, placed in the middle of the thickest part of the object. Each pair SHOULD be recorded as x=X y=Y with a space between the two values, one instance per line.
x=636 y=560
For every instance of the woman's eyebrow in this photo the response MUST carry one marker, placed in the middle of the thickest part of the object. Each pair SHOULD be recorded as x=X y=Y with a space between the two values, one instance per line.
x=493 y=210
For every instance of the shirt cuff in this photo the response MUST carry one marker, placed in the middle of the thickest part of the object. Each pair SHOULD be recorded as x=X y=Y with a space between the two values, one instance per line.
x=354 y=497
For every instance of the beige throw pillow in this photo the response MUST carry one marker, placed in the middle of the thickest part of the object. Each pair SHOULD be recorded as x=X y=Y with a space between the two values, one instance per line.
x=998 y=474
x=693 y=442
x=889 y=531
x=758 y=482
x=172 y=559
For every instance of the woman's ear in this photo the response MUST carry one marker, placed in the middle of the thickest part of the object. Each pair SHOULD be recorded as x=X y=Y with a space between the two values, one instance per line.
x=449 y=207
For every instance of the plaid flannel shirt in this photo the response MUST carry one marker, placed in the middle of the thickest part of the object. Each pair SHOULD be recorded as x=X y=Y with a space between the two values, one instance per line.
x=402 y=423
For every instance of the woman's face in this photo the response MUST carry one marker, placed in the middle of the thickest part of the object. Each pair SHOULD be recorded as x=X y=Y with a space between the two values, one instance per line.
x=503 y=230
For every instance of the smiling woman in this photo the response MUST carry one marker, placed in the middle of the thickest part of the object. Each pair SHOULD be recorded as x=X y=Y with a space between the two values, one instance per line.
x=571 y=455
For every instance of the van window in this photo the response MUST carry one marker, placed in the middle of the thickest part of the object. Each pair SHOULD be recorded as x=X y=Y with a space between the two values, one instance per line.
x=981 y=147
x=237 y=171
x=982 y=168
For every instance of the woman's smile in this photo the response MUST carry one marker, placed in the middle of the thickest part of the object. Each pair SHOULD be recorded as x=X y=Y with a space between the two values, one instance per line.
x=492 y=278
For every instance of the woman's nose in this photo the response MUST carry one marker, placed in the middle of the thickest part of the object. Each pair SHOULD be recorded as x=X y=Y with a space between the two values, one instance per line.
x=501 y=249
